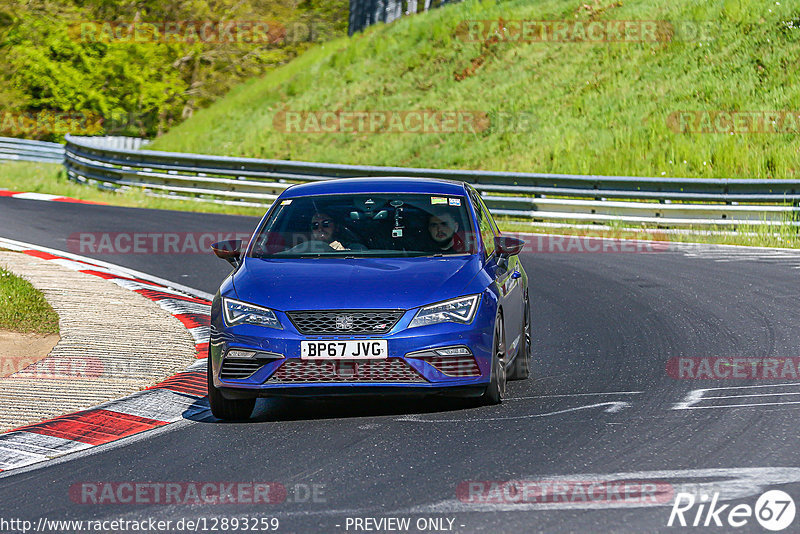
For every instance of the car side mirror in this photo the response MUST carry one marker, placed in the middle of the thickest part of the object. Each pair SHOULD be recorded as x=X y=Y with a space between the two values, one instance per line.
x=230 y=251
x=507 y=246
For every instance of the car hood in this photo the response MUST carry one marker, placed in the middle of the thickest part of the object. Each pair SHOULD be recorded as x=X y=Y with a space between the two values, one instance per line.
x=340 y=283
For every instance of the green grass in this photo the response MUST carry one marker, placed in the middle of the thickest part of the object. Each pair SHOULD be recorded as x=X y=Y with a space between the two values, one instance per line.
x=23 y=308
x=50 y=178
x=597 y=108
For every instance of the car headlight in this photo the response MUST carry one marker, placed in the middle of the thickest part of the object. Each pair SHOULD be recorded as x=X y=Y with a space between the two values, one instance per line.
x=460 y=310
x=237 y=312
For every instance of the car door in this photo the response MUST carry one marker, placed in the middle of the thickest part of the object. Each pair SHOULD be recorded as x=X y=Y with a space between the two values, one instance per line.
x=507 y=278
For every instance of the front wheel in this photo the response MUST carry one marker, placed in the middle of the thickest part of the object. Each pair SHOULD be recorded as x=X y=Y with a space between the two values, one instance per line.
x=521 y=369
x=227 y=409
x=497 y=382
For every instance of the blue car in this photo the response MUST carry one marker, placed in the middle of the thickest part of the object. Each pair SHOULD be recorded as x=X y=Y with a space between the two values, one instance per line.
x=373 y=286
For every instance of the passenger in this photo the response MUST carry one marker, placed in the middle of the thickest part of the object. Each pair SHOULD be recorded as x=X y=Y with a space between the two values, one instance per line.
x=443 y=227
x=323 y=228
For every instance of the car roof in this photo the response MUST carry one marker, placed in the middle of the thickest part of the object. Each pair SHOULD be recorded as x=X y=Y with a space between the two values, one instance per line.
x=394 y=184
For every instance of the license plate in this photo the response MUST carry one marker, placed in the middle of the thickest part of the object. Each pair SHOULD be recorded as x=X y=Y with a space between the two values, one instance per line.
x=344 y=350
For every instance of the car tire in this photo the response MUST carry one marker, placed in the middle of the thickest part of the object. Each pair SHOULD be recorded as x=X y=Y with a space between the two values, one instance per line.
x=521 y=369
x=227 y=409
x=497 y=379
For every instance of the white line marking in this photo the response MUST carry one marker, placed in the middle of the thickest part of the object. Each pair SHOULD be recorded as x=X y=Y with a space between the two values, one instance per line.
x=576 y=395
x=80 y=266
x=177 y=307
x=13 y=458
x=133 y=285
x=698 y=395
x=199 y=365
x=753 y=395
x=753 y=387
x=39 y=443
x=613 y=407
x=36 y=196
x=738 y=405
x=162 y=405
x=21 y=448
x=201 y=334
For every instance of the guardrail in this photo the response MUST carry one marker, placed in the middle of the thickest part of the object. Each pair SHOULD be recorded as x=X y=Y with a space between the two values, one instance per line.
x=12 y=148
x=115 y=142
x=530 y=196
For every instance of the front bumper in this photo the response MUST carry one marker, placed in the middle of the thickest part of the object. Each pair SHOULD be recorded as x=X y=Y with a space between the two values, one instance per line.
x=356 y=390
x=408 y=376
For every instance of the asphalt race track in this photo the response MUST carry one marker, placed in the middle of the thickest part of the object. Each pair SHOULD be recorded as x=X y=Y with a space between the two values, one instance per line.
x=601 y=406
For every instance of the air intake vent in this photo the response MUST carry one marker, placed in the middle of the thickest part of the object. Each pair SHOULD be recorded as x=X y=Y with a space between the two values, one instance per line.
x=390 y=370
x=345 y=322
x=453 y=365
x=239 y=368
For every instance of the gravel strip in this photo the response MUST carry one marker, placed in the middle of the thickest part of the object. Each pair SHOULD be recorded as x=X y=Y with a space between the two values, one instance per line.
x=114 y=342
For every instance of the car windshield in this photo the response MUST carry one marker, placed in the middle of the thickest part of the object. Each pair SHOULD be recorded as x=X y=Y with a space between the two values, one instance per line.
x=359 y=225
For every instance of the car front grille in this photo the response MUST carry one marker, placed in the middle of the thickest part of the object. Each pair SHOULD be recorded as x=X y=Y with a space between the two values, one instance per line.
x=389 y=370
x=239 y=368
x=345 y=322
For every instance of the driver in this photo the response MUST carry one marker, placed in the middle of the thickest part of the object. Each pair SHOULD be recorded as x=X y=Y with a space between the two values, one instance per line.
x=323 y=228
x=442 y=227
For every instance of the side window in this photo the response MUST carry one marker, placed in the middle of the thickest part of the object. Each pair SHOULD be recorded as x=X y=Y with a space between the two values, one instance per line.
x=485 y=224
x=489 y=217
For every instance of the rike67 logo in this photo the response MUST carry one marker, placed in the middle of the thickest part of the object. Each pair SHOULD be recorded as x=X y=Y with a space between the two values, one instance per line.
x=774 y=510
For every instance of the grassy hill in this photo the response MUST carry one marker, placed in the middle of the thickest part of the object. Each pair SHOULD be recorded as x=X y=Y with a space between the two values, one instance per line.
x=600 y=107
x=75 y=57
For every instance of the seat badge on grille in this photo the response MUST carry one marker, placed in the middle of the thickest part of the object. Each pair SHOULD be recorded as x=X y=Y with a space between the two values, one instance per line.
x=344 y=322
